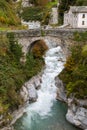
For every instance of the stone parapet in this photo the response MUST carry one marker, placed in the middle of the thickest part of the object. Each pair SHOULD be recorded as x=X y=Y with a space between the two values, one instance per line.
x=61 y=32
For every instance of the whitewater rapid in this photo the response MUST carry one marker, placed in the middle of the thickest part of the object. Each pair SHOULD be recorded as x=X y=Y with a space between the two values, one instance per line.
x=54 y=60
x=47 y=113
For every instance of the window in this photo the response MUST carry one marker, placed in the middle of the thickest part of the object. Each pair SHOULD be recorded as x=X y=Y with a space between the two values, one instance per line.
x=83 y=16
x=83 y=22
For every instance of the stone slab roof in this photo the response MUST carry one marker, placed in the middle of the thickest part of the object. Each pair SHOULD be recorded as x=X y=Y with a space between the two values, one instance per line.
x=78 y=9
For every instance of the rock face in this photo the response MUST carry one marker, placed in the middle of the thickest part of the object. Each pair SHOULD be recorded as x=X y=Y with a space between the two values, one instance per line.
x=77 y=109
x=61 y=95
x=24 y=94
x=28 y=91
x=8 y=128
x=77 y=113
x=32 y=93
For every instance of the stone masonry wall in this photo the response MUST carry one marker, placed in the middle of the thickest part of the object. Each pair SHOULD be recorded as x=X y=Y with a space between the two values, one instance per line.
x=62 y=37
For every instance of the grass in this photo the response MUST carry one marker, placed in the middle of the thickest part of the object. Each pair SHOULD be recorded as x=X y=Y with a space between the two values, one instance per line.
x=8 y=14
x=51 y=4
x=6 y=28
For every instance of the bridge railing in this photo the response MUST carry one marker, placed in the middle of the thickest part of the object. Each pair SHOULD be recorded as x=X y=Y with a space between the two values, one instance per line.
x=44 y=32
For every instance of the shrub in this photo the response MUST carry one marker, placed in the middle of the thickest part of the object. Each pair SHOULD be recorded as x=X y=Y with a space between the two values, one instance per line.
x=8 y=14
x=75 y=73
x=13 y=74
x=32 y=14
x=80 y=37
x=84 y=51
x=15 y=48
x=39 y=49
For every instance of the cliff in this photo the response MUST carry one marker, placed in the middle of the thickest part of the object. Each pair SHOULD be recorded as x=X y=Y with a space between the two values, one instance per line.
x=77 y=109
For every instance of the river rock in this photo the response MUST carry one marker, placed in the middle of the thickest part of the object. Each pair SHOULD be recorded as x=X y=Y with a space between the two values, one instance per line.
x=61 y=95
x=8 y=128
x=17 y=114
x=24 y=94
x=28 y=91
x=32 y=93
x=32 y=85
x=77 y=114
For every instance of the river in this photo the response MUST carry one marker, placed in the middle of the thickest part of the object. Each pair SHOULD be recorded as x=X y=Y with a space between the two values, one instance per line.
x=47 y=113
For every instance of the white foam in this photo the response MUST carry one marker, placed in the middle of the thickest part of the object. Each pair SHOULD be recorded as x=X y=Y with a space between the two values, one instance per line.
x=47 y=93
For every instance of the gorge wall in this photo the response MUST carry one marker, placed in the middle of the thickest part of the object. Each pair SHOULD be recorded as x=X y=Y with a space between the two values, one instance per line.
x=61 y=37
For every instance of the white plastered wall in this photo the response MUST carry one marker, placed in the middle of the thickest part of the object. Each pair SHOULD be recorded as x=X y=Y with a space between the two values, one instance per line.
x=80 y=19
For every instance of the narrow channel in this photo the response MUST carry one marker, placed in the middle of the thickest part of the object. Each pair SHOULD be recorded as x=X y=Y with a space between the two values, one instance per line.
x=47 y=113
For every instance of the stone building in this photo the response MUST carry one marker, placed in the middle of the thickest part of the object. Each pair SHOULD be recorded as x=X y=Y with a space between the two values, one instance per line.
x=54 y=16
x=76 y=17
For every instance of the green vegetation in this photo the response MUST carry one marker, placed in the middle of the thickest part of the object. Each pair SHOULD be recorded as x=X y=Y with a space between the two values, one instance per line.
x=35 y=60
x=39 y=2
x=9 y=12
x=39 y=12
x=9 y=19
x=8 y=15
x=36 y=14
x=65 y=5
x=80 y=37
x=52 y=4
x=32 y=14
x=13 y=74
x=39 y=49
x=74 y=75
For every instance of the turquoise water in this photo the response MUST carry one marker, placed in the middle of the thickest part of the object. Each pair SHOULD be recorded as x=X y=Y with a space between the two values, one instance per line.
x=55 y=120
x=47 y=113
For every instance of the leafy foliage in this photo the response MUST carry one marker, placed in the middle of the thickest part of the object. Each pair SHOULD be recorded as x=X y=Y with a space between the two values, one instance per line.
x=33 y=65
x=7 y=13
x=74 y=75
x=39 y=49
x=41 y=12
x=36 y=14
x=15 y=49
x=32 y=13
x=13 y=74
x=80 y=37
x=39 y=2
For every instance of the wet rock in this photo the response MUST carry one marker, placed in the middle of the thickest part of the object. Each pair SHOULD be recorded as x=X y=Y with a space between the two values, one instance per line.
x=24 y=94
x=7 y=128
x=28 y=91
x=77 y=115
x=38 y=87
x=77 y=109
x=32 y=94
x=61 y=95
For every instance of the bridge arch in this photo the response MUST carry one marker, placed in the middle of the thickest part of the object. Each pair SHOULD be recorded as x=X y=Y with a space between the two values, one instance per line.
x=28 y=42
x=32 y=44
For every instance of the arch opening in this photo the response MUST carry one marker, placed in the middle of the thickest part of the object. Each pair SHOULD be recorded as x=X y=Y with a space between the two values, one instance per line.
x=38 y=48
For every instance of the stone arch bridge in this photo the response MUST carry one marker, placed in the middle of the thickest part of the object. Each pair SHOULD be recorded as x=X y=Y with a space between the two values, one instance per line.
x=53 y=37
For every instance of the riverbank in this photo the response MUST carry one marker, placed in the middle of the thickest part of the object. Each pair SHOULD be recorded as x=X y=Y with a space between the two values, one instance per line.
x=47 y=113
x=77 y=111
x=28 y=93
x=74 y=86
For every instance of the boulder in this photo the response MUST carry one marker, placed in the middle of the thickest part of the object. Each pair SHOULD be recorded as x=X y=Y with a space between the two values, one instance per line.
x=76 y=114
x=24 y=94
x=61 y=95
x=32 y=94
x=77 y=109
